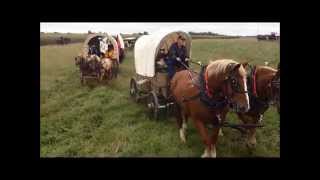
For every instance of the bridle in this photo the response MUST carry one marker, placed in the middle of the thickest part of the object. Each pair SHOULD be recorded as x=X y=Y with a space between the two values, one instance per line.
x=232 y=80
x=208 y=94
x=273 y=85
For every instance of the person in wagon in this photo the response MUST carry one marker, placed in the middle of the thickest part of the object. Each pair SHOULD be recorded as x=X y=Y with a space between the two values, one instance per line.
x=160 y=59
x=110 y=52
x=103 y=47
x=177 y=55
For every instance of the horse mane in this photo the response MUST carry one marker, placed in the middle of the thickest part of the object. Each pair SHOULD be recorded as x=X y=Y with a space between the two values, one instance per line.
x=268 y=68
x=219 y=67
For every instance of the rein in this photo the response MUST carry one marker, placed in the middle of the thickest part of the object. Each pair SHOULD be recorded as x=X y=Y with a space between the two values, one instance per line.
x=254 y=84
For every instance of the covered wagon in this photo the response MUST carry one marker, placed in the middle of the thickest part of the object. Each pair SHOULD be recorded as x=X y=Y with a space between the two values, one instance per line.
x=90 y=59
x=151 y=80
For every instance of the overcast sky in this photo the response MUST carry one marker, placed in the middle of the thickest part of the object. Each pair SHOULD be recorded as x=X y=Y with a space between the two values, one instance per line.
x=243 y=29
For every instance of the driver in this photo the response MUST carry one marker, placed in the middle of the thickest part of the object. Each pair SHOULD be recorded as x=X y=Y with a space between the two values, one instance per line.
x=177 y=55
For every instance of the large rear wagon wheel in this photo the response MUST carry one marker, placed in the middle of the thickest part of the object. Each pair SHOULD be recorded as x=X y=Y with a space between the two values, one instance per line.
x=153 y=106
x=134 y=92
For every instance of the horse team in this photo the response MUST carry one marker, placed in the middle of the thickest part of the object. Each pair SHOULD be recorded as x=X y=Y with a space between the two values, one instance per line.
x=227 y=86
x=221 y=86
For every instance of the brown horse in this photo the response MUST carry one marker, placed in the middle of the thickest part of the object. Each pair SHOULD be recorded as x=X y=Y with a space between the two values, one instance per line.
x=264 y=89
x=222 y=83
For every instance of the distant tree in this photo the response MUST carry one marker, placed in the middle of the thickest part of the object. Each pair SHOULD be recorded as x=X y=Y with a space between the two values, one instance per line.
x=145 y=33
x=89 y=32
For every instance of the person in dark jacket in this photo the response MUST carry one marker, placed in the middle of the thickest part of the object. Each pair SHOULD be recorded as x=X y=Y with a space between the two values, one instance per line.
x=176 y=56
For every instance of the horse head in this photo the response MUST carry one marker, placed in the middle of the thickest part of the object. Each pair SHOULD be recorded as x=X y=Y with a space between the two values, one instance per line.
x=236 y=87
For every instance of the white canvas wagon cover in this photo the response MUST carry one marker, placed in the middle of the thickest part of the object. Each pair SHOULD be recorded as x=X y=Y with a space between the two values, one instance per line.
x=121 y=42
x=105 y=37
x=147 y=47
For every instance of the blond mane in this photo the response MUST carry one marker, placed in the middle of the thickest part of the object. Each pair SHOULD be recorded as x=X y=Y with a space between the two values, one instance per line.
x=268 y=68
x=218 y=67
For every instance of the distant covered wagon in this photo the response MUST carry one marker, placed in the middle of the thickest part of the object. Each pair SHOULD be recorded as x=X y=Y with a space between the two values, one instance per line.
x=121 y=47
x=91 y=58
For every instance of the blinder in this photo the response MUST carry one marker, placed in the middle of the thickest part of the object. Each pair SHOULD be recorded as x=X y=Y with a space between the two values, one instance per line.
x=231 y=78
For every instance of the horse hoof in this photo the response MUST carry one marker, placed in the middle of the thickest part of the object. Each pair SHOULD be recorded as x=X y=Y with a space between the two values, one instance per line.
x=213 y=153
x=206 y=154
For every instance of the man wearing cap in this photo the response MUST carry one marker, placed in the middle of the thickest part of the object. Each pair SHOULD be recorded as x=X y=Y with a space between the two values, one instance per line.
x=176 y=56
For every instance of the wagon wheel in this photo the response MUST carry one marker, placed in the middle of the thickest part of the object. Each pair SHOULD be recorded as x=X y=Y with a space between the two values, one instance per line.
x=134 y=92
x=153 y=106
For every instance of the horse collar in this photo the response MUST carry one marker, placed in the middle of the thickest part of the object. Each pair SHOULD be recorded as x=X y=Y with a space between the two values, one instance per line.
x=209 y=92
x=206 y=94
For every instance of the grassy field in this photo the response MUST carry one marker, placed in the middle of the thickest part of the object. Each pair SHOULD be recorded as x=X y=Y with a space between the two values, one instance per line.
x=50 y=38
x=102 y=121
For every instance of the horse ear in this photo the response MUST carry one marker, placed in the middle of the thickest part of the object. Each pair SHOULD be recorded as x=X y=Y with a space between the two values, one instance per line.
x=245 y=64
x=232 y=67
x=236 y=67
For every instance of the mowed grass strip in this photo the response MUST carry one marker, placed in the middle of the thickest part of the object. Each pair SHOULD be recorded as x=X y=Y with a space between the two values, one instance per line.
x=101 y=120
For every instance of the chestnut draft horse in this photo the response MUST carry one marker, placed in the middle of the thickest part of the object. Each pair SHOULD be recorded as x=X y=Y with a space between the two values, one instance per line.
x=222 y=84
x=264 y=90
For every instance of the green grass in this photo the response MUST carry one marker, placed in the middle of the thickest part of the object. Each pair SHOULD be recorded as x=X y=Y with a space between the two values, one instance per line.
x=102 y=121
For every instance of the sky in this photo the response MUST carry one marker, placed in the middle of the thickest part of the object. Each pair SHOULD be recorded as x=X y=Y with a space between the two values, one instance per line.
x=241 y=29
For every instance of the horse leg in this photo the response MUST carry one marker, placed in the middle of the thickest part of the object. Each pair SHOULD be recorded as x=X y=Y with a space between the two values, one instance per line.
x=179 y=119
x=102 y=75
x=183 y=129
x=220 y=132
x=214 y=138
x=252 y=141
x=205 y=137
x=220 y=129
x=251 y=133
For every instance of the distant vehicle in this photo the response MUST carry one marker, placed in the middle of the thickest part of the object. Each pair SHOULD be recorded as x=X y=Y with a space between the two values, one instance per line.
x=130 y=41
x=271 y=36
